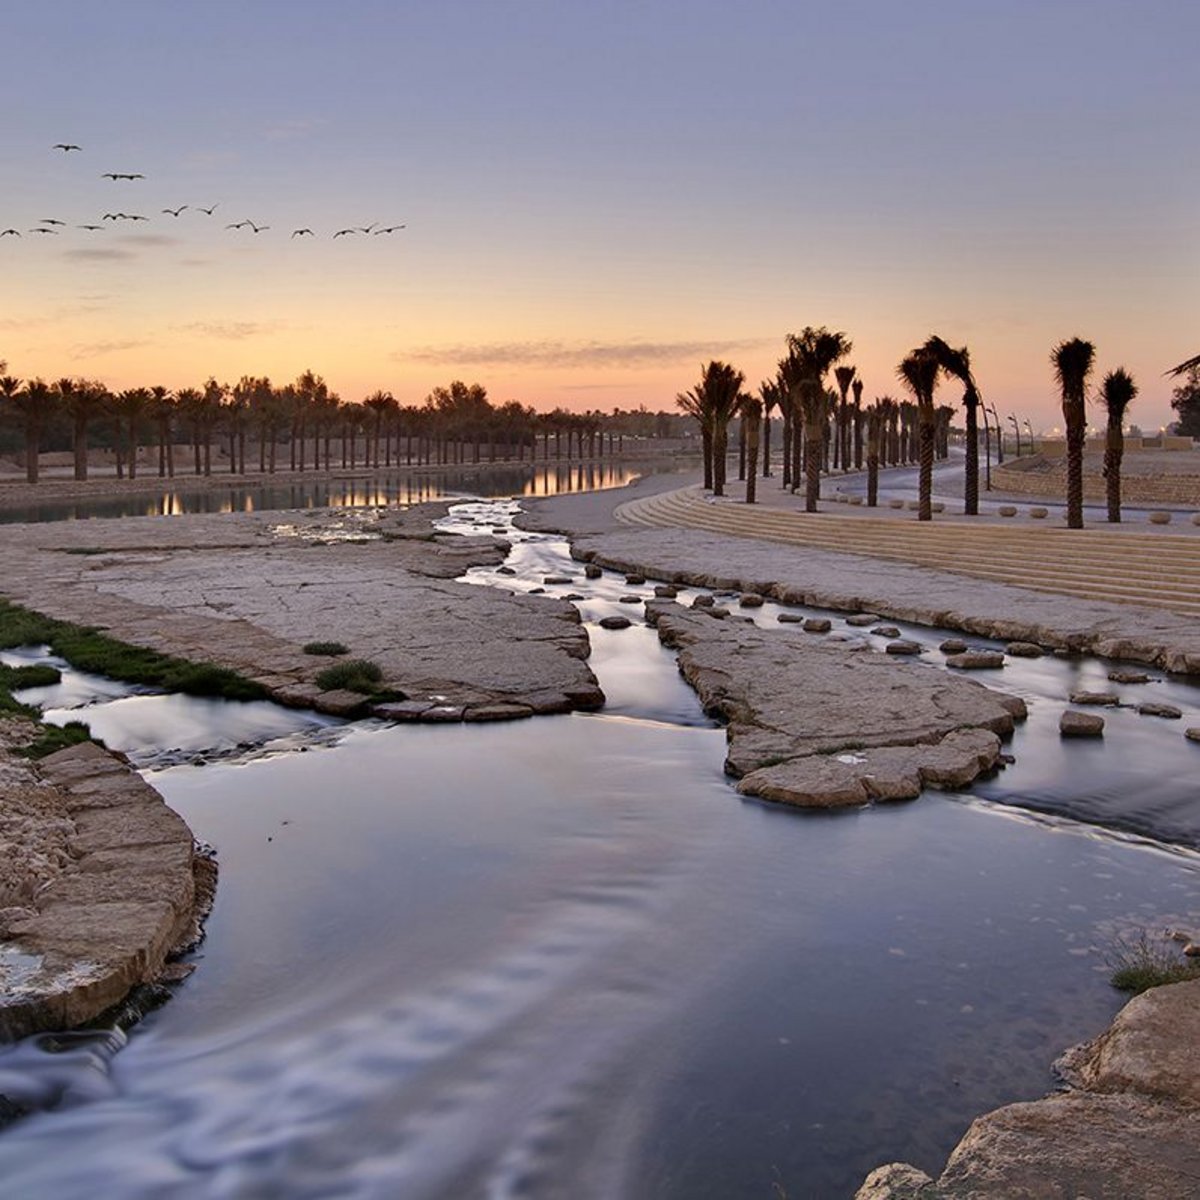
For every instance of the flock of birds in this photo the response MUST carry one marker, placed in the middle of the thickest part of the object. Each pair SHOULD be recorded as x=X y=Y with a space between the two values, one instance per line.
x=52 y=226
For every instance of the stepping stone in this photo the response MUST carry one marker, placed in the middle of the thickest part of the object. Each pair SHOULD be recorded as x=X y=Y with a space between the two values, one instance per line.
x=499 y=711
x=1129 y=677
x=1023 y=650
x=953 y=646
x=1100 y=698
x=1169 y=711
x=1039 y=514
x=1077 y=724
x=857 y=619
x=574 y=596
x=1007 y=510
x=630 y=600
x=887 y=631
x=1160 y=518
x=635 y=580
x=976 y=660
x=616 y=622
x=903 y=646
x=505 y=571
x=1193 y=734
x=665 y=591
x=537 y=591
x=704 y=600
x=553 y=579
x=591 y=571
x=788 y=618
x=750 y=600
x=817 y=625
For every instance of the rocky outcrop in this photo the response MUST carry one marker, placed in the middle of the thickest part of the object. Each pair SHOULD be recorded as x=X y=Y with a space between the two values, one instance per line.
x=121 y=895
x=248 y=591
x=1128 y=1126
x=868 y=727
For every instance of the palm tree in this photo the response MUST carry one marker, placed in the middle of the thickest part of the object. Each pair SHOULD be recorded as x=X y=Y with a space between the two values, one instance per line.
x=129 y=405
x=378 y=403
x=957 y=365
x=812 y=352
x=918 y=372
x=752 y=413
x=162 y=408
x=695 y=405
x=1072 y=362
x=876 y=421
x=1116 y=394
x=714 y=402
x=857 y=388
x=771 y=395
x=844 y=376
x=83 y=401
x=34 y=403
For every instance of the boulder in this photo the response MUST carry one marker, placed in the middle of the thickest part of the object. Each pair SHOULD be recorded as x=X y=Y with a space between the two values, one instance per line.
x=817 y=625
x=704 y=600
x=791 y=618
x=1077 y=724
x=750 y=600
x=666 y=591
x=614 y=622
x=953 y=646
x=887 y=631
x=591 y=571
x=976 y=660
x=861 y=620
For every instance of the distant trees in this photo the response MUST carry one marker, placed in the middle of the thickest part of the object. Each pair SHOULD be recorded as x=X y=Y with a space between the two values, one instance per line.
x=1072 y=361
x=1185 y=399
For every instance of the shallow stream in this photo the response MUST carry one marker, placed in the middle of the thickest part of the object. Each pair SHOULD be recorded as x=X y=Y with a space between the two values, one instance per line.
x=561 y=957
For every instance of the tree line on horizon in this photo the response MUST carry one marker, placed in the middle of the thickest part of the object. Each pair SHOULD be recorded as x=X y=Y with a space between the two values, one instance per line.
x=823 y=429
x=304 y=420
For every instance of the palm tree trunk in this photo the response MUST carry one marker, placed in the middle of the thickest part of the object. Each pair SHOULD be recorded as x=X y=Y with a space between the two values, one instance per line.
x=814 y=449
x=1076 y=432
x=706 y=442
x=32 y=451
x=789 y=432
x=1114 y=451
x=971 y=481
x=766 y=443
x=719 y=452
x=79 y=445
x=133 y=447
x=753 y=422
x=926 y=436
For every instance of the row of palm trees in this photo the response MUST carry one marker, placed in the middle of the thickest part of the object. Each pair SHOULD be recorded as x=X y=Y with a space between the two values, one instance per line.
x=823 y=429
x=305 y=420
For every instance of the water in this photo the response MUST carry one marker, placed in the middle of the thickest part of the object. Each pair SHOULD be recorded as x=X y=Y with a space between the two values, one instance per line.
x=401 y=487
x=562 y=957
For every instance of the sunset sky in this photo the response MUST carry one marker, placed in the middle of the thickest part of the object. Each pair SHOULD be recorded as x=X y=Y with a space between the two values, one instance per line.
x=599 y=197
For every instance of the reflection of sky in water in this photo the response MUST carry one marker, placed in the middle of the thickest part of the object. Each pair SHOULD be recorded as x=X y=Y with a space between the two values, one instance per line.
x=508 y=959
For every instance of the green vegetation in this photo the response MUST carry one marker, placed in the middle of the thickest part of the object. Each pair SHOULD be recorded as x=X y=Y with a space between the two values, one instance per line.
x=1143 y=962
x=55 y=737
x=48 y=737
x=89 y=649
x=355 y=675
x=331 y=649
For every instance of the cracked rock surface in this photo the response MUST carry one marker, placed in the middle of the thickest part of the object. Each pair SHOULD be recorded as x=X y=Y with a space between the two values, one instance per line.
x=247 y=591
x=823 y=724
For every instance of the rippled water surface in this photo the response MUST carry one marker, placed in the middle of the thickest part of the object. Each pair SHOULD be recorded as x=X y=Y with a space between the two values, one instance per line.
x=562 y=958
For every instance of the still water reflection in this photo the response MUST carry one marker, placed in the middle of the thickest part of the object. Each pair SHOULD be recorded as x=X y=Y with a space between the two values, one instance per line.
x=376 y=490
x=562 y=958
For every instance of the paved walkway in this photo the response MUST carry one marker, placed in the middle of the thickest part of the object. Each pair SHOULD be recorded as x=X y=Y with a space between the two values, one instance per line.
x=1148 y=566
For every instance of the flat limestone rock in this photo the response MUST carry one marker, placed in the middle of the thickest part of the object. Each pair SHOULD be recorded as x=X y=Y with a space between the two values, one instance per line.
x=788 y=698
x=888 y=773
x=248 y=590
x=106 y=921
x=1102 y=699
x=1123 y=676
x=1168 y=711
x=1023 y=650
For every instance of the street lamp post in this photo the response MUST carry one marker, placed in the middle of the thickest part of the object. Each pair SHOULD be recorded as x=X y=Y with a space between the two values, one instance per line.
x=1017 y=431
x=999 y=437
x=1029 y=430
x=987 y=449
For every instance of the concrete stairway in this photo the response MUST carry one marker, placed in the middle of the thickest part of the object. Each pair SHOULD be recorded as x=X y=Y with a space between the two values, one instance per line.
x=1158 y=570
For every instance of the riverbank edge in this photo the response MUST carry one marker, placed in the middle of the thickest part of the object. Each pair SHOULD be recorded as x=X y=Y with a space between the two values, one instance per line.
x=133 y=895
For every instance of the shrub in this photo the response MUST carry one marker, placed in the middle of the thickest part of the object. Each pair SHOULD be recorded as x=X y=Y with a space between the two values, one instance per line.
x=354 y=674
x=331 y=649
x=1141 y=963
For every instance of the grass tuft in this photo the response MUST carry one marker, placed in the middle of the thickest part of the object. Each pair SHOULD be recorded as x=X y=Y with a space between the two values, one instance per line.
x=354 y=674
x=330 y=649
x=1141 y=963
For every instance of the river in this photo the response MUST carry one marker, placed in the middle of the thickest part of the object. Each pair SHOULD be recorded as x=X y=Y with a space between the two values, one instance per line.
x=561 y=957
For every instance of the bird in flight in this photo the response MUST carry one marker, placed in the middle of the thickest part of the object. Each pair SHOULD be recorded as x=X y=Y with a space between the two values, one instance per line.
x=390 y=229
x=238 y=225
x=64 y=146
x=112 y=216
x=257 y=228
x=301 y=232
x=89 y=226
x=132 y=217
x=39 y=229
x=174 y=212
x=119 y=175
x=366 y=228
x=14 y=232
x=51 y=221
x=209 y=211
x=343 y=232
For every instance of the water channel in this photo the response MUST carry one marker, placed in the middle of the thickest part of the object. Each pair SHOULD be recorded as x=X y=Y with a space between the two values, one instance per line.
x=561 y=957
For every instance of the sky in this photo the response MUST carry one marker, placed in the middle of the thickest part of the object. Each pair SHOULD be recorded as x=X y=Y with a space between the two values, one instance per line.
x=599 y=197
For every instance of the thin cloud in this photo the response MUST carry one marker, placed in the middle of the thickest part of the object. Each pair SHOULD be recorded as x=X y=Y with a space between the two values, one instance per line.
x=631 y=354
x=100 y=255
x=297 y=128
x=150 y=239
x=99 y=349
x=234 y=331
